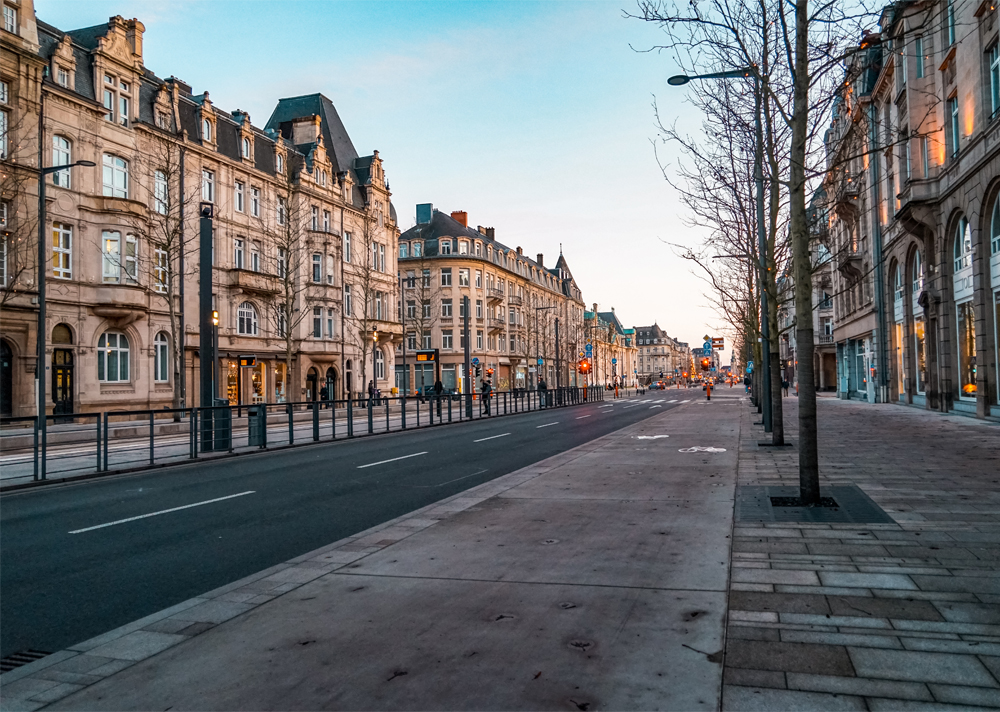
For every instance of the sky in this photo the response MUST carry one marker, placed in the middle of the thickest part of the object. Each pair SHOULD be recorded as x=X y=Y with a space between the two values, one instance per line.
x=534 y=117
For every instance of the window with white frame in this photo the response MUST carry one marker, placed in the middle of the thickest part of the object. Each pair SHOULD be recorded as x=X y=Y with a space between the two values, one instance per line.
x=317 y=267
x=326 y=221
x=282 y=262
x=208 y=185
x=62 y=251
x=61 y=156
x=963 y=244
x=4 y=125
x=953 y=126
x=317 y=330
x=255 y=202
x=347 y=247
x=446 y=277
x=161 y=195
x=463 y=247
x=463 y=278
x=379 y=364
x=206 y=130
x=314 y=225
x=374 y=256
x=246 y=147
x=445 y=247
x=239 y=193
x=239 y=251
x=282 y=211
x=281 y=321
x=119 y=268
x=993 y=67
x=10 y=19
x=917 y=276
x=950 y=22
x=995 y=230
x=426 y=339
x=279 y=163
x=446 y=311
x=115 y=176
x=918 y=50
x=418 y=249
x=479 y=279
x=254 y=256
x=348 y=301
x=330 y=323
x=446 y=339
x=404 y=250
x=160 y=269
x=161 y=358
x=113 y=358
x=246 y=319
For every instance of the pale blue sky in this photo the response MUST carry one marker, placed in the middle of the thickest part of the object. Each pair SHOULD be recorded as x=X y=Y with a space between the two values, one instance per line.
x=534 y=117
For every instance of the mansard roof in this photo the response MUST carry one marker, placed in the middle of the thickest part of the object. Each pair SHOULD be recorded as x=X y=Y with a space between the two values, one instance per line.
x=338 y=143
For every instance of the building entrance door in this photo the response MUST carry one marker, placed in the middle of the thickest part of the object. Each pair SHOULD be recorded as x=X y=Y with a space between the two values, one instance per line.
x=62 y=381
x=6 y=379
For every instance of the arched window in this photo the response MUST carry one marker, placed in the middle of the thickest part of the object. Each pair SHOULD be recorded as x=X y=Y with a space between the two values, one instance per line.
x=917 y=275
x=247 y=319
x=995 y=227
x=161 y=358
x=898 y=283
x=963 y=244
x=206 y=130
x=379 y=364
x=112 y=358
x=246 y=148
x=279 y=163
x=61 y=156
x=61 y=334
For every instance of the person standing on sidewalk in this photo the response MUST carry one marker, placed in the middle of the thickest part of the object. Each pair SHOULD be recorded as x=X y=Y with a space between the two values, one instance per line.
x=371 y=392
x=438 y=390
x=543 y=392
x=784 y=386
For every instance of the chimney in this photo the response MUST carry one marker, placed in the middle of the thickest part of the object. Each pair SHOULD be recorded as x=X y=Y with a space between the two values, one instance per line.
x=541 y=262
x=520 y=252
x=491 y=233
x=305 y=129
x=460 y=216
x=133 y=33
x=481 y=229
x=424 y=213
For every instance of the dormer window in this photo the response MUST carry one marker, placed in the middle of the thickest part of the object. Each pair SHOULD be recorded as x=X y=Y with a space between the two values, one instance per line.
x=62 y=77
x=206 y=130
x=116 y=100
x=246 y=147
x=279 y=163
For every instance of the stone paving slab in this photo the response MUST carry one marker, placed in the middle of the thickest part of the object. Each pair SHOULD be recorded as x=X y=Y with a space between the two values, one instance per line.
x=884 y=615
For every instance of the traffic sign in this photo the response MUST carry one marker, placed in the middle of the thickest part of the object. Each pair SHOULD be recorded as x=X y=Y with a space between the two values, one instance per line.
x=614 y=360
x=582 y=355
x=541 y=362
x=707 y=346
x=475 y=361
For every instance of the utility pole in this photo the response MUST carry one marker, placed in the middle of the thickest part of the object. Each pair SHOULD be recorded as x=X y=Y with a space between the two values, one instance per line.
x=206 y=355
x=468 y=363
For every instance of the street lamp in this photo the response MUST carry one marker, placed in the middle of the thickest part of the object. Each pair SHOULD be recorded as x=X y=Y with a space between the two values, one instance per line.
x=40 y=366
x=751 y=71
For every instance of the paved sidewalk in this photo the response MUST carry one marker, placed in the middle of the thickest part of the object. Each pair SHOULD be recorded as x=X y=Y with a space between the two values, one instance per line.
x=872 y=616
x=596 y=579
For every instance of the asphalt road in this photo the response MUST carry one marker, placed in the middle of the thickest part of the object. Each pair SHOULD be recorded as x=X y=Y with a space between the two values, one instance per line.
x=61 y=586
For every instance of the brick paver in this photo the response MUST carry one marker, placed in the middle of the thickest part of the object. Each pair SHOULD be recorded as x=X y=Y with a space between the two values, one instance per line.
x=872 y=616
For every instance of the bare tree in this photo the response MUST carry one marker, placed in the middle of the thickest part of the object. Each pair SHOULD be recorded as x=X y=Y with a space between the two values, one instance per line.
x=419 y=293
x=371 y=300
x=18 y=206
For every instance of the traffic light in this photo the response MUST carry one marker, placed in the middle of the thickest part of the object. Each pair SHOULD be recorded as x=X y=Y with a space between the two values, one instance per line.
x=661 y=374
x=215 y=318
x=479 y=371
x=685 y=374
x=489 y=372
x=706 y=363
x=584 y=366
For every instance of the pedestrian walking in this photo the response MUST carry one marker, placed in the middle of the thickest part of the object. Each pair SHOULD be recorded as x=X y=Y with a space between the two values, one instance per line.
x=371 y=392
x=324 y=396
x=438 y=390
x=746 y=383
x=543 y=392
x=784 y=386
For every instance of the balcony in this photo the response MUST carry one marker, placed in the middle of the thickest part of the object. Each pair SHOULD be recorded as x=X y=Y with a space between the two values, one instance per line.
x=494 y=325
x=254 y=282
x=849 y=265
x=494 y=294
x=515 y=301
x=824 y=338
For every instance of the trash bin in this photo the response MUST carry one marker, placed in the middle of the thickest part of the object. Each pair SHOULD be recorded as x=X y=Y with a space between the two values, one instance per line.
x=257 y=422
x=223 y=425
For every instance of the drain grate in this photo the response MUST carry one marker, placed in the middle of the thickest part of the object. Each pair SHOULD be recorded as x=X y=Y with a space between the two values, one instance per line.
x=24 y=657
x=797 y=502
x=847 y=505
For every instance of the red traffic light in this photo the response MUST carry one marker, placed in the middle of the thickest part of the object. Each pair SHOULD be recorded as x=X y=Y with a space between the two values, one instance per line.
x=584 y=366
x=706 y=363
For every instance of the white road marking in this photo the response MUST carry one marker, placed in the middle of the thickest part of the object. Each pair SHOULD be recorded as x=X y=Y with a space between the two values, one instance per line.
x=491 y=437
x=382 y=462
x=582 y=417
x=672 y=401
x=162 y=511
x=650 y=437
x=685 y=401
x=609 y=405
x=655 y=406
x=547 y=425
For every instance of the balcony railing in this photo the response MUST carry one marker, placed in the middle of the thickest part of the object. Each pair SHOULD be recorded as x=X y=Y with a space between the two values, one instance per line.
x=824 y=338
x=256 y=282
x=494 y=294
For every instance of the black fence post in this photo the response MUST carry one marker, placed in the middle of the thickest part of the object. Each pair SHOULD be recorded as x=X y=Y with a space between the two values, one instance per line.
x=315 y=407
x=403 y=412
x=152 y=437
x=193 y=432
x=291 y=425
x=106 y=419
x=99 y=415
x=333 y=418
x=350 y=419
x=387 y=415
x=371 y=416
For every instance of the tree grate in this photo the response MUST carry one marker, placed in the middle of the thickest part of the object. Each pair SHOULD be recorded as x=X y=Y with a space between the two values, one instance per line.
x=839 y=504
x=16 y=660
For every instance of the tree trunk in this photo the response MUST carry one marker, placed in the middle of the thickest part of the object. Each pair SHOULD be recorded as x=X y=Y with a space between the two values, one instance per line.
x=808 y=451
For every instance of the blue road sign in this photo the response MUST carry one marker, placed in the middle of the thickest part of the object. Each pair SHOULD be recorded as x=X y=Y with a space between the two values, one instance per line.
x=541 y=362
x=475 y=361
x=614 y=360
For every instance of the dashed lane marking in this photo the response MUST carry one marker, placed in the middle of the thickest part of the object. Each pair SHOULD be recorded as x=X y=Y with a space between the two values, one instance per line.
x=492 y=437
x=547 y=425
x=162 y=511
x=393 y=459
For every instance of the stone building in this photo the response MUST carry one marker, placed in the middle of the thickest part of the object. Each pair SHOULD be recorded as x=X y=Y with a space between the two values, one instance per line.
x=616 y=357
x=515 y=304
x=659 y=355
x=914 y=179
x=304 y=234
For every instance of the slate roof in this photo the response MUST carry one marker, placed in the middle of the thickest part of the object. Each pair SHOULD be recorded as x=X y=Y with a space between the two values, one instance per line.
x=443 y=225
x=338 y=144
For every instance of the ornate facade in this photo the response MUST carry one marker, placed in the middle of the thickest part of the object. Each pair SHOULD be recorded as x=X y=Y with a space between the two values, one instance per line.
x=305 y=237
x=514 y=305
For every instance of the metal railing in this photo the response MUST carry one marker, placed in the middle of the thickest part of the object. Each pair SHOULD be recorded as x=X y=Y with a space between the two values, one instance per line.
x=121 y=440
